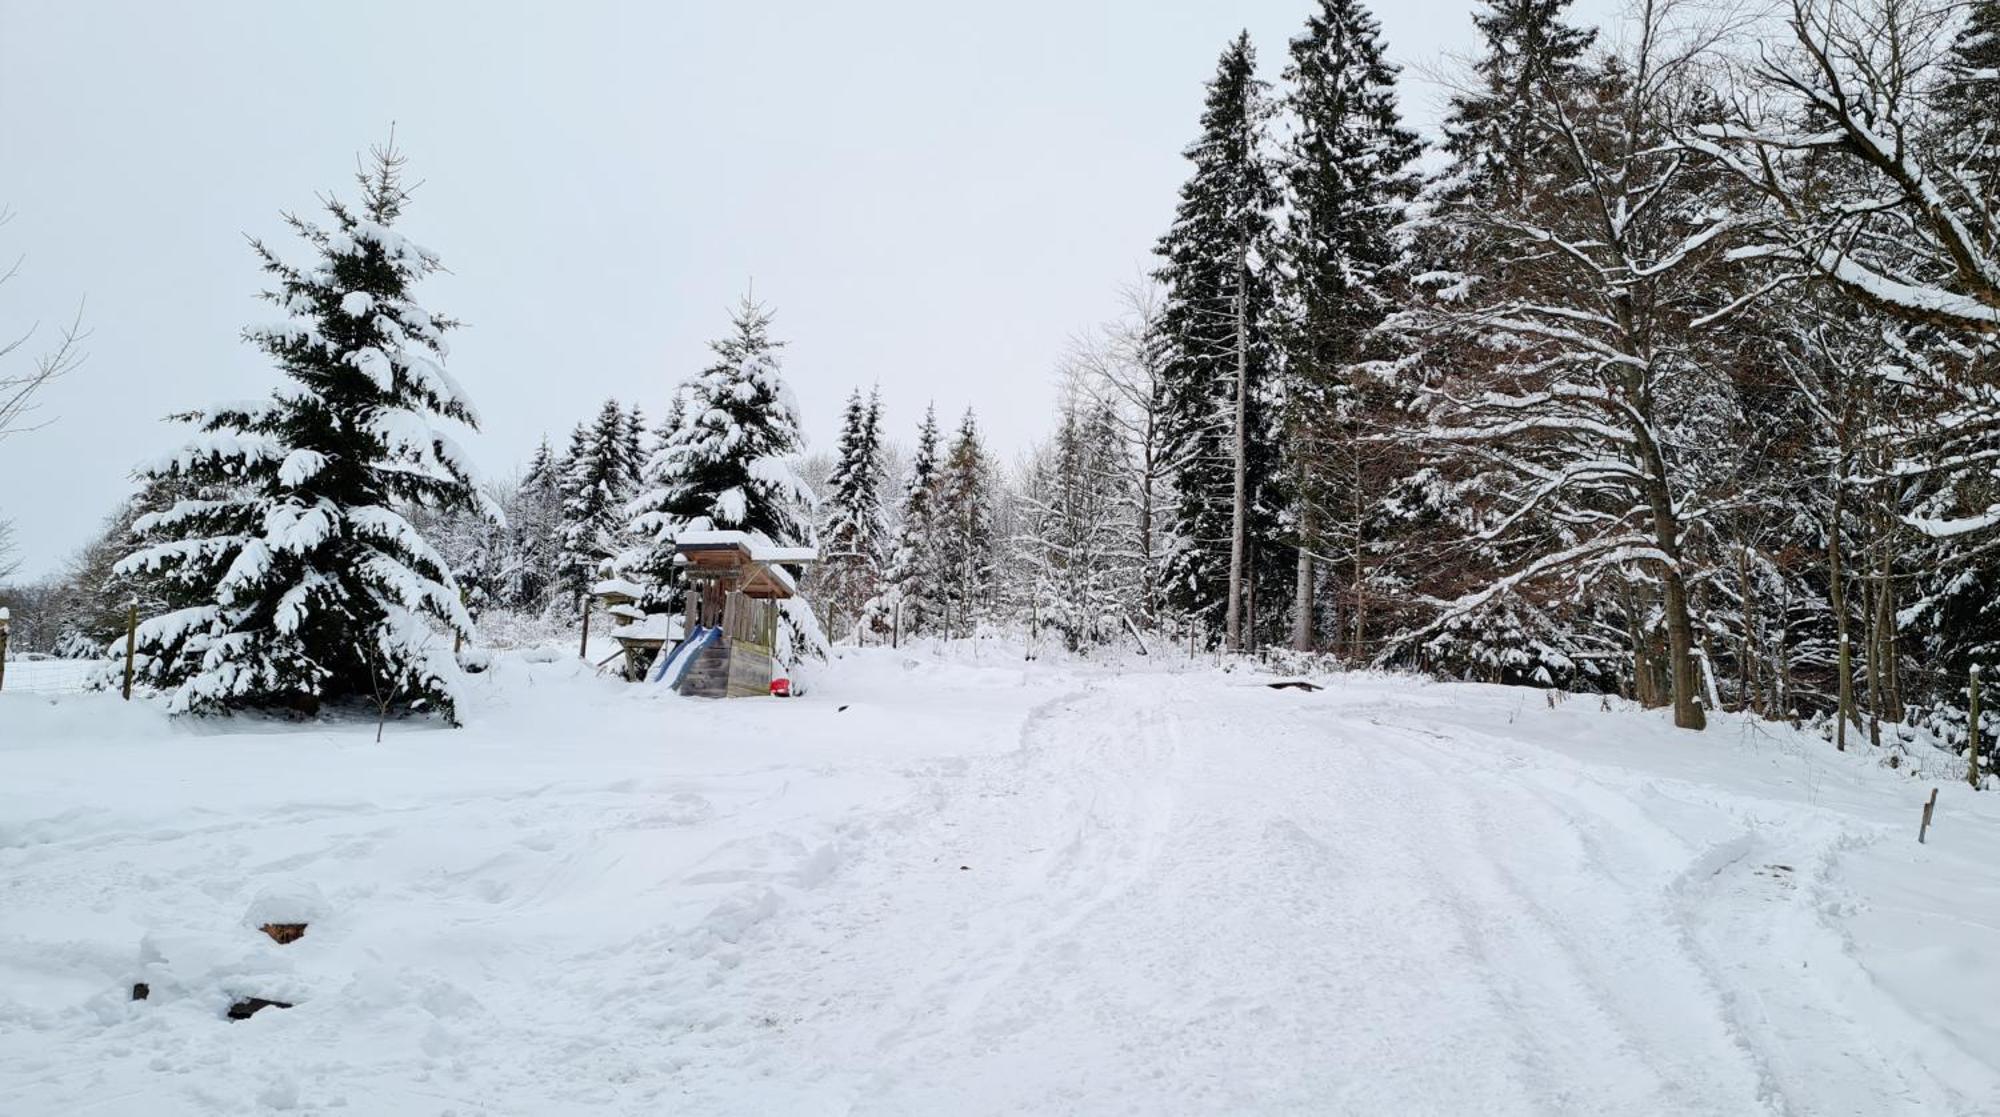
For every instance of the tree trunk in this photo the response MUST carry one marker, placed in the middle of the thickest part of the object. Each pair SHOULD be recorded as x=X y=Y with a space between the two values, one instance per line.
x=1680 y=656
x=1302 y=591
x=1642 y=672
x=1684 y=682
x=1302 y=601
x=1753 y=689
x=1148 y=591
x=1885 y=606
x=1239 y=510
x=1874 y=636
x=1360 y=574
x=1837 y=597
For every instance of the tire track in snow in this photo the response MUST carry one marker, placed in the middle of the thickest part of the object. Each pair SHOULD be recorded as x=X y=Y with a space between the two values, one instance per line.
x=1758 y=932
x=1608 y=935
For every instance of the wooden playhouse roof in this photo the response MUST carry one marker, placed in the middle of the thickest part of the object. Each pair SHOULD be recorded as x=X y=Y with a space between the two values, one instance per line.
x=749 y=557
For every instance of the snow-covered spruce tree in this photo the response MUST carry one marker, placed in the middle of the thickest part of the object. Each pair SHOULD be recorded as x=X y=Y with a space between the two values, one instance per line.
x=1495 y=138
x=1215 y=330
x=1347 y=178
x=291 y=575
x=1075 y=541
x=596 y=485
x=912 y=590
x=854 y=535
x=1502 y=149
x=648 y=557
x=726 y=467
x=535 y=517
x=965 y=541
x=632 y=450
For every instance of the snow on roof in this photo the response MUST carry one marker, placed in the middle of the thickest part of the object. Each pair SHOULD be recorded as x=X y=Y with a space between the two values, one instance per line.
x=619 y=586
x=760 y=547
x=783 y=577
x=660 y=626
x=713 y=539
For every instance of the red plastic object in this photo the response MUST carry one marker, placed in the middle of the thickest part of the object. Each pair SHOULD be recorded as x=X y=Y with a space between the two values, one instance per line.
x=781 y=688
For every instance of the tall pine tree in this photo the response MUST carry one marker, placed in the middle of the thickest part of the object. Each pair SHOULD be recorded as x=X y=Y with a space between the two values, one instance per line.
x=855 y=534
x=965 y=529
x=292 y=577
x=596 y=485
x=728 y=464
x=1495 y=136
x=536 y=519
x=632 y=451
x=1214 y=325
x=1348 y=178
x=912 y=591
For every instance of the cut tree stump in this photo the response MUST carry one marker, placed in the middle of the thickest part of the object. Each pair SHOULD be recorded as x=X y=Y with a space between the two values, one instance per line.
x=282 y=933
x=141 y=990
x=251 y=1006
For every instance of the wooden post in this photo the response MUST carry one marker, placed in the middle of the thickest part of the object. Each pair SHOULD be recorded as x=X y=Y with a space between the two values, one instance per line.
x=583 y=647
x=457 y=637
x=4 y=621
x=1929 y=806
x=1973 y=725
x=896 y=629
x=131 y=643
x=1846 y=701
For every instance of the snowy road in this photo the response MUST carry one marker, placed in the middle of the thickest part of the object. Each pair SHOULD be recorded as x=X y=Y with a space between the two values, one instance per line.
x=1006 y=893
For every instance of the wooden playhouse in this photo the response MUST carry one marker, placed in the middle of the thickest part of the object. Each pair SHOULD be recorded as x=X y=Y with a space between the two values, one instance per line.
x=736 y=581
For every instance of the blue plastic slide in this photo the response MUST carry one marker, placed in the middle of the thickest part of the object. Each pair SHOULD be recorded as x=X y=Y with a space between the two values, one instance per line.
x=669 y=668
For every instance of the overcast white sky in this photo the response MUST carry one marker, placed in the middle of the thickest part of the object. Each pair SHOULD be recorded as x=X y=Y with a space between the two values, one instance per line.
x=932 y=196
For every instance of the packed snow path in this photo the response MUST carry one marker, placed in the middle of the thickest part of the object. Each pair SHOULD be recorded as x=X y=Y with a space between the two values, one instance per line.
x=988 y=892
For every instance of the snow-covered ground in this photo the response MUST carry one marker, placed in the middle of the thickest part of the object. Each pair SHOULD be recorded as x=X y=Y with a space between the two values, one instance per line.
x=941 y=887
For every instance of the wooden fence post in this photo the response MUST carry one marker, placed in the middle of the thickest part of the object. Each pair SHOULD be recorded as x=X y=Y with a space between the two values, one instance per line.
x=583 y=647
x=1846 y=698
x=4 y=622
x=1929 y=806
x=1973 y=729
x=131 y=643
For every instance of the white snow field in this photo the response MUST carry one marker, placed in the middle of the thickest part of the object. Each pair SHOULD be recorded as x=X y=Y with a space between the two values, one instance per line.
x=939 y=887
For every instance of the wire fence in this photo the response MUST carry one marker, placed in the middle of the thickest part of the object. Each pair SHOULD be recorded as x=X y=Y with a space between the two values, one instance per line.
x=50 y=676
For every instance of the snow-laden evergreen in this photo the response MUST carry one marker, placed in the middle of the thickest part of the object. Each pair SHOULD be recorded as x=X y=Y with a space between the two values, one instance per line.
x=966 y=555
x=1503 y=150
x=596 y=484
x=290 y=572
x=1215 y=327
x=632 y=448
x=1347 y=179
x=854 y=535
x=1075 y=541
x=729 y=464
x=536 y=520
x=1496 y=140
x=912 y=596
